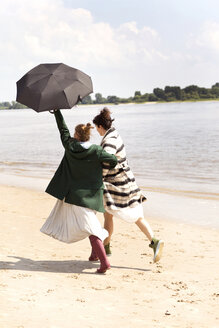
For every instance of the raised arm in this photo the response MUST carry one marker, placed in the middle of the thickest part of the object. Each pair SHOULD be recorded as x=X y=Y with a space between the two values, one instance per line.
x=67 y=141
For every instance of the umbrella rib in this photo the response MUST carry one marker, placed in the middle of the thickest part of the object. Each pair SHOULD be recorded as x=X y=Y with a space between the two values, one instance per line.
x=79 y=80
x=66 y=97
x=46 y=76
x=89 y=89
x=61 y=88
x=57 y=68
x=42 y=92
x=83 y=84
x=49 y=70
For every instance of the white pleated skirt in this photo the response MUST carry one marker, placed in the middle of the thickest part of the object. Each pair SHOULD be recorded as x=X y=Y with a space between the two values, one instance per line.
x=128 y=214
x=71 y=223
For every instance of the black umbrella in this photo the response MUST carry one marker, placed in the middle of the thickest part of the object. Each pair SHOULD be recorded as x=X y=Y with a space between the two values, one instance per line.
x=53 y=86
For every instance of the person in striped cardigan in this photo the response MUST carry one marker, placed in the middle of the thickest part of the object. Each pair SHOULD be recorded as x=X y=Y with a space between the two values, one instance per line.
x=122 y=197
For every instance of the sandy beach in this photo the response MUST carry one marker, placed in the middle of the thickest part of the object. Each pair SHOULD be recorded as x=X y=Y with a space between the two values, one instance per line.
x=46 y=283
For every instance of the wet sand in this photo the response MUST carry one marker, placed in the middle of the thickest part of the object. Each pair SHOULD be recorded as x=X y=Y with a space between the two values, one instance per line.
x=46 y=283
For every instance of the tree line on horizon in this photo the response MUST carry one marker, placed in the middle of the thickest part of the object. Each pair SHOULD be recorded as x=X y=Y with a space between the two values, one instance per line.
x=168 y=94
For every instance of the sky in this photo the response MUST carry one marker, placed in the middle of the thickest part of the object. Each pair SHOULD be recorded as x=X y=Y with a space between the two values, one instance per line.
x=125 y=46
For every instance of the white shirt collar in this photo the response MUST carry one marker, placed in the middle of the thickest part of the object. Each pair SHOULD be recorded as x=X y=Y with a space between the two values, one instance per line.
x=85 y=144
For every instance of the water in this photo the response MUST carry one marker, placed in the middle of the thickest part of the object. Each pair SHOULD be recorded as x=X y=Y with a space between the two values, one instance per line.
x=172 y=148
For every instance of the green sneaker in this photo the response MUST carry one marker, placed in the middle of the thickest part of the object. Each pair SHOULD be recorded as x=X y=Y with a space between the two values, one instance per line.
x=157 y=246
x=108 y=250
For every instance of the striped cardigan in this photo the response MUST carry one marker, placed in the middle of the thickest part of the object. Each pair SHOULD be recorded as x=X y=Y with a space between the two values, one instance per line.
x=120 y=188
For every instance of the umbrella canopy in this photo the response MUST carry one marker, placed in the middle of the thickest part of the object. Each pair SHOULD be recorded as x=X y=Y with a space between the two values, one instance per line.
x=53 y=86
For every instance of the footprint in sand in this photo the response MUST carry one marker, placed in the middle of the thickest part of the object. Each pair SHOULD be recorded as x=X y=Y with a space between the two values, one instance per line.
x=125 y=235
x=3 y=285
x=127 y=278
x=73 y=276
x=176 y=286
x=24 y=275
x=80 y=300
x=104 y=288
x=167 y=313
x=159 y=266
x=27 y=299
x=180 y=284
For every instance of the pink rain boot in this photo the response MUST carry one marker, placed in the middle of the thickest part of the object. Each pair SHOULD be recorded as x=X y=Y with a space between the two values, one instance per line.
x=93 y=257
x=99 y=251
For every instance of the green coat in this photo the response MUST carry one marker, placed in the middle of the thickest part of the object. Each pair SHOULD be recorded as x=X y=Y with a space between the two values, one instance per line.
x=78 y=178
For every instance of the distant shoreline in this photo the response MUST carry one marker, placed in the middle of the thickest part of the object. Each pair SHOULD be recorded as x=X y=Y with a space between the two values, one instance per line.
x=133 y=103
x=167 y=94
x=153 y=102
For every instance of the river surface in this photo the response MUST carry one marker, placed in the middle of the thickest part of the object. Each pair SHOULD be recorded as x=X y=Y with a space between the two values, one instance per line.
x=172 y=148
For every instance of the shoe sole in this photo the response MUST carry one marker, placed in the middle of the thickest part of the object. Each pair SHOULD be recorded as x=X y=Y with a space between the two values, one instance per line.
x=102 y=271
x=159 y=251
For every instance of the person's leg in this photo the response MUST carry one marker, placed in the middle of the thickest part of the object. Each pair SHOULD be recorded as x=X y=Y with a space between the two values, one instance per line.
x=145 y=228
x=108 y=225
x=155 y=244
x=98 y=248
x=93 y=257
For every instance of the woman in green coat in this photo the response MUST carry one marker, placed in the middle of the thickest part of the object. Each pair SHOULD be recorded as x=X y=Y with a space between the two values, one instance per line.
x=78 y=186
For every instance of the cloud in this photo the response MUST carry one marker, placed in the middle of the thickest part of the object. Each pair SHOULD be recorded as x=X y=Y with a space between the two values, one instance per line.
x=139 y=44
x=120 y=59
x=209 y=37
x=204 y=45
x=47 y=31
